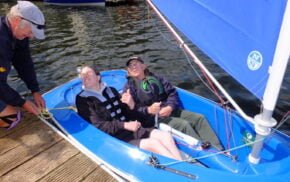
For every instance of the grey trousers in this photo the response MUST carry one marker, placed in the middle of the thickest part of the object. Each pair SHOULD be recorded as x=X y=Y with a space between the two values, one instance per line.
x=192 y=124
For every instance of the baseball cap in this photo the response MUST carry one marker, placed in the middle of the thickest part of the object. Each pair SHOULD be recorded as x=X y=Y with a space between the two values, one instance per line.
x=31 y=13
x=134 y=58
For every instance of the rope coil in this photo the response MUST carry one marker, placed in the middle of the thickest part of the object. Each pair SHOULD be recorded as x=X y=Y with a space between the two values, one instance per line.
x=46 y=114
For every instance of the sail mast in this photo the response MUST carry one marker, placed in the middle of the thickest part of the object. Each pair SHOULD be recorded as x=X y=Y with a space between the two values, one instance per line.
x=197 y=61
x=264 y=121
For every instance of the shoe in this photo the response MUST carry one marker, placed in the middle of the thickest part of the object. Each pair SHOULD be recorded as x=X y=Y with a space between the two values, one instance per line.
x=11 y=123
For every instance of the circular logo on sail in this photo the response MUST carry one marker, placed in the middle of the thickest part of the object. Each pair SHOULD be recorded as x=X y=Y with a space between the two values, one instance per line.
x=255 y=60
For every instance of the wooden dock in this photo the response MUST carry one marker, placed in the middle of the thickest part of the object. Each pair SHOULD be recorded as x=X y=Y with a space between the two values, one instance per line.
x=34 y=152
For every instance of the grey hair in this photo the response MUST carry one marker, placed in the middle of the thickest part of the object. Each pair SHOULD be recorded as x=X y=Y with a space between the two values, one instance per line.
x=14 y=12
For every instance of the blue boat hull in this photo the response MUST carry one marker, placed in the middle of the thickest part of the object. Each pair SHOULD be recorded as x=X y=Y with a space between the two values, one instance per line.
x=76 y=2
x=132 y=163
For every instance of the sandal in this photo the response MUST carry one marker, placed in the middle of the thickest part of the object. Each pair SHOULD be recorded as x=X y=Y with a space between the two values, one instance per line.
x=11 y=123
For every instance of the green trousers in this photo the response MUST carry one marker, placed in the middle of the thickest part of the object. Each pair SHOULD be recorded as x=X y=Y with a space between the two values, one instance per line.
x=192 y=124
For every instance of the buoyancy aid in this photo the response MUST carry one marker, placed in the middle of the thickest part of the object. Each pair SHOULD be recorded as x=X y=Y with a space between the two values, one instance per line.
x=109 y=99
x=148 y=90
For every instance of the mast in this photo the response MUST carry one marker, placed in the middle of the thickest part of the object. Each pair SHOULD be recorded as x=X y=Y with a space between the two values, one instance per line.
x=264 y=121
x=198 y=62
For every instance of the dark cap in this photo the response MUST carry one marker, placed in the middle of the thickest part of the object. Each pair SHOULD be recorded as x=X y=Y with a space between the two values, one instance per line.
x=134 y=58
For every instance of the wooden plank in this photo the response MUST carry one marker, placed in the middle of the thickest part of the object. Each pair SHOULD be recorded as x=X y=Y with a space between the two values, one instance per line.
x=42 y=164
x=75 y=169
x=33 y=151
x=22 y=146
x=99 y=175
x=35 y=134
x=27 y=119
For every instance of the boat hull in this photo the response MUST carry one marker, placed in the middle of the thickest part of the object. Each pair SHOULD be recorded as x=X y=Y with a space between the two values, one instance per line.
x=76 y=2
x=131 y=163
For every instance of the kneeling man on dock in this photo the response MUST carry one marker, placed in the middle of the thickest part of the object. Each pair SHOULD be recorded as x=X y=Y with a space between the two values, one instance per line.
x=24 y=21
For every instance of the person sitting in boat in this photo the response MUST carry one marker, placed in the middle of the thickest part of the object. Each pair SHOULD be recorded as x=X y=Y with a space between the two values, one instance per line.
x=154 y=95
x=101 y=105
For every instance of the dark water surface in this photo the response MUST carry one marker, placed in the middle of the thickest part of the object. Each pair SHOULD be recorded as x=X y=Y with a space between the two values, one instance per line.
x=107 y=36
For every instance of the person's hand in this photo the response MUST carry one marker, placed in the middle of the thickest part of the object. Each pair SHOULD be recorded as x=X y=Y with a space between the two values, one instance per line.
x=38 y=100
x=132 y=125
x=154 y=108
x=128 y=99
x=165 y=111
x=31 y=107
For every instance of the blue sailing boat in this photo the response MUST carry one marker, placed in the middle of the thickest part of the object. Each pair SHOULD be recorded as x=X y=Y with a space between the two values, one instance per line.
x=250 y=41
x=76 y=2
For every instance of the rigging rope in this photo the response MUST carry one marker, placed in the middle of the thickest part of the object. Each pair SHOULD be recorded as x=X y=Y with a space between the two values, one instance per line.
x=45 y=114
x=283 y=120
x=209 y=85
x=207 y=82
x=232 y=149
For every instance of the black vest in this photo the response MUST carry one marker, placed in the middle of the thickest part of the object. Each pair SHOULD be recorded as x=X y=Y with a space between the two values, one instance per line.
x=108 y=102
x=148 y=90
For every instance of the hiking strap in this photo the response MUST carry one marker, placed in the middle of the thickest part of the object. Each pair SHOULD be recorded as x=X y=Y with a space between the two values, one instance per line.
x=153 y=161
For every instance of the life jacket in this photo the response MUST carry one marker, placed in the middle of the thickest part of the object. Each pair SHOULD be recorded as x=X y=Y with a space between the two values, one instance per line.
x=109 y=99
x=148 y=90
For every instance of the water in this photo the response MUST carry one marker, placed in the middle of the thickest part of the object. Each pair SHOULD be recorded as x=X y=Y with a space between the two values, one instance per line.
x=107 y=36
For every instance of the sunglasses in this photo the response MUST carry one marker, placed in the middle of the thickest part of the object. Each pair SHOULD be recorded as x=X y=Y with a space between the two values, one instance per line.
x=37 y=25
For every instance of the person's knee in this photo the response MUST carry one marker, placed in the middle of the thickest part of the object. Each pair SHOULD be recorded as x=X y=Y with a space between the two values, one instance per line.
x=200 y=118
x=8 y=110
x=179 y=123
x=161 y=136
x=9 y=115
x=2 y=106
x=165 y=135
x=192 y=116
x=154 y=142
x=149 y=144
x=167 y=138
x=184 y=124
x=153 y=145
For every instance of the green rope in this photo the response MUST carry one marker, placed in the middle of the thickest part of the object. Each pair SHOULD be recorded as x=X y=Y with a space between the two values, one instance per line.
x=63 y=108
x=46 y=114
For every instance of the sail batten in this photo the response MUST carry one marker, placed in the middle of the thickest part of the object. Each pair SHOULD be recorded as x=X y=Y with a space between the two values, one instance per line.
x=240 y=36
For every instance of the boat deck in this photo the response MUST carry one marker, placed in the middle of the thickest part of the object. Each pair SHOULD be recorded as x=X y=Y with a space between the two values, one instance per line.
x=34 y=152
